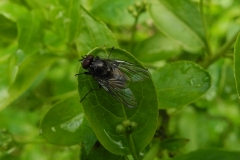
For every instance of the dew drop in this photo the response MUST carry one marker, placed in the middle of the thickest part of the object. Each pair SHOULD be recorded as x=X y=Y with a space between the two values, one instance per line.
x=53 y=129
x=205 y=79
x=20 y=52
x=192 y=81
x=40 y=131
x=198 y=85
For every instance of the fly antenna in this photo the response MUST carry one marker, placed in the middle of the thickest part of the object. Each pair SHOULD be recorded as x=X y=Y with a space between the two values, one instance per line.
x=110 y=52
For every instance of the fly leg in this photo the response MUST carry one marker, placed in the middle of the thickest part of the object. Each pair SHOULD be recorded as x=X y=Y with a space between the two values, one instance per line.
x=82 y=73
x=110 y=52
x=93 y=89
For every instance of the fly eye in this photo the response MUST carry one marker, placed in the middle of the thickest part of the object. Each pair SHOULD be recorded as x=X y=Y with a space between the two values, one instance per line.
x=90 y=57
x=86 y=63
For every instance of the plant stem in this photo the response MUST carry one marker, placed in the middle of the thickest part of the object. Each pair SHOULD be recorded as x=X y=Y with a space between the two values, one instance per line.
x=153 y=151
x=223 y=50
x=130 y=140
x=132 y=147
x=133 y=32
x=208 y=49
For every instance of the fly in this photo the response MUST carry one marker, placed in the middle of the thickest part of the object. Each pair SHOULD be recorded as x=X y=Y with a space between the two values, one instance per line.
x=114 y=76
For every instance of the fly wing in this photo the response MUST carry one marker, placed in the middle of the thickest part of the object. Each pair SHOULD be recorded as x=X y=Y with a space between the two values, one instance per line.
x=117 y=87
x=135 y=73
x=117 y=84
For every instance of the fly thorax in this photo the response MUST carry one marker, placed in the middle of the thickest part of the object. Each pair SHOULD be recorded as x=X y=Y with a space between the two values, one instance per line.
x=99 y=68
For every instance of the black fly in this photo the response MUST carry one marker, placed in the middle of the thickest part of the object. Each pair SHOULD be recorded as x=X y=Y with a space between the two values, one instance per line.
x=114 y=77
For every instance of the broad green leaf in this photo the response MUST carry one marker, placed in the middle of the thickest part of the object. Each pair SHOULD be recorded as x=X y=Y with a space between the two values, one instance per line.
x=98 y=152
x=65 y=18
x=181 y=20
x=210 y=154
x=104 y=112
x=12 y=10
x=113 y=12
x=156 y=48
x=8 y=31
x=237 y=63
x=28 y=71
x=64 y=124
x=173 y=143
x=180 y=83
x=93 y=33
x=30 y=31
x=71 y=18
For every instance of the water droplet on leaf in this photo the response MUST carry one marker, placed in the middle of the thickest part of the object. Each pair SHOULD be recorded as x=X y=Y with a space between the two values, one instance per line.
x=205 y=79
x=53 y=129
x=40 y=131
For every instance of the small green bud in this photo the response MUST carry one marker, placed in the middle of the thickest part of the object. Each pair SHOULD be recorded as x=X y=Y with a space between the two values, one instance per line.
x=133 y=125
x=131 y=9
x=126 y=123
x=120 y=129
x=144 y=2
x=138 y=4
x=135 y=14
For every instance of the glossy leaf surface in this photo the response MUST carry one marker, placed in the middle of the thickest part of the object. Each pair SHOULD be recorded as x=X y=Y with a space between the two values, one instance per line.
x=181 y=20
x=113 y=12
x=180 y=83
x=30 y=66
x=93 y=33
x=67 y=118
x=155 y=48
x=104 y=112
x=100 y=153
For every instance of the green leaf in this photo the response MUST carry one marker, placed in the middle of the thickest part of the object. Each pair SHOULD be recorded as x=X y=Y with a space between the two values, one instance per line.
x=100 y=153
x=173 y=144
x=180 y=83
x=181 y=20
x=93 y=33
x=113 y=12
x=64 y=124
x=30 y=31
x=8 y=30
x=71 y=18
x=12 y=10
x=210 y=154
x=237 y=63
x=28 y=72
x=156 y=48
x=105 y=113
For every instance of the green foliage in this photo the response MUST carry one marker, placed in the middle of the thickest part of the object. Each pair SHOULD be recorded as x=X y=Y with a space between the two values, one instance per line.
x=209 y=155
x=180 y=20
x=189 y=104
x=105 y=113
x=176 y=81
